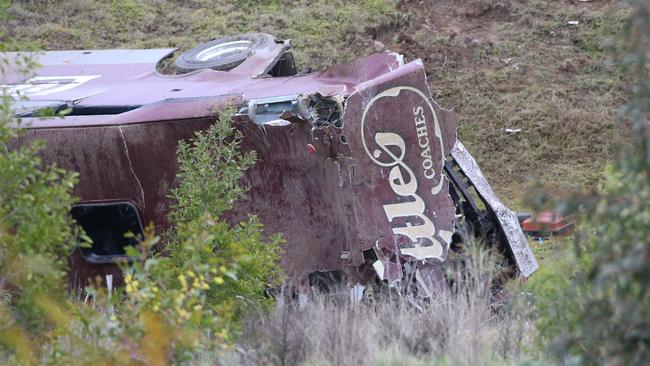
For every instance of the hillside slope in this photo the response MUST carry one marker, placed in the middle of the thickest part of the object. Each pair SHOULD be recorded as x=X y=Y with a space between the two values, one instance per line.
x=519 y=65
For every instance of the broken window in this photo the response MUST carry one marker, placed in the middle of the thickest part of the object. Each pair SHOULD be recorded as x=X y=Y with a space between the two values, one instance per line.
x=106 y=224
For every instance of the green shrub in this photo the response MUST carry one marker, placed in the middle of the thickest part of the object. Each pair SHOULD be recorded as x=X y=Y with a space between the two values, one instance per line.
x=602 y=314
x=35 y=234
x=177 y=306
x=210 y=168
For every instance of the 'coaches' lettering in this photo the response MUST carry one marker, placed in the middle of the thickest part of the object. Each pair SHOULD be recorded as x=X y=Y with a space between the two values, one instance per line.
x=423 y=141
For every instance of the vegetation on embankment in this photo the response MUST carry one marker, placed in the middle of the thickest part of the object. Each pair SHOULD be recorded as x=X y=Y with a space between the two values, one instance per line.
x=499 y=64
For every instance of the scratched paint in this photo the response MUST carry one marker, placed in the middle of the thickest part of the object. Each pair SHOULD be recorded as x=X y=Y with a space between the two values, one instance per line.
x=350 y=160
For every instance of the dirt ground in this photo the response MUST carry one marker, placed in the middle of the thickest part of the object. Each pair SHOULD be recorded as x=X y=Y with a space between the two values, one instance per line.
x=521 y=67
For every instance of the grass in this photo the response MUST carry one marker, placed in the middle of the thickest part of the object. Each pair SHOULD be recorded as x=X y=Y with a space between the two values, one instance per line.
x=499 y=64
x=470 y=324
x=549 y=80
x=317 y=28
x=467 y=326
x=450 y=331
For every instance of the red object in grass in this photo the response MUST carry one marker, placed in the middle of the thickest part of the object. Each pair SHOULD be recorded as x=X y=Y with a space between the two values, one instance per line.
x=547 y=224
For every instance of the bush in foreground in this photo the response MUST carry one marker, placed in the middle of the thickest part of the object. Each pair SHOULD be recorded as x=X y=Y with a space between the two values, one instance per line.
x=601 y=315
x=179 y=306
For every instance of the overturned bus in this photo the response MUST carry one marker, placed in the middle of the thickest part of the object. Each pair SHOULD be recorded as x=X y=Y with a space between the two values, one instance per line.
x=357 y=167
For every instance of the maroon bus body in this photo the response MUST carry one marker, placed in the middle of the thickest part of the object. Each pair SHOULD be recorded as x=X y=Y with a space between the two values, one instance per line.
x=353 y=163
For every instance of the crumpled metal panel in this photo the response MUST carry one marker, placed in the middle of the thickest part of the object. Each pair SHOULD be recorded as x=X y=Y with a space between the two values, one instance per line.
x=399 y=139
x=120 y=83
x=523 y=255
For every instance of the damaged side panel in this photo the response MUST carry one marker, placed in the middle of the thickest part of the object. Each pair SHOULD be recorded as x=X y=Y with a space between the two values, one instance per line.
x=298 y=192
x=507 y=219
x=374 y=175
x=399 y=139
x=363 y=172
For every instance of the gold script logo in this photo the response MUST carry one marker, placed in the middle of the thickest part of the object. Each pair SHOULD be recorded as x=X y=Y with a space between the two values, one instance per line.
x=388 y=150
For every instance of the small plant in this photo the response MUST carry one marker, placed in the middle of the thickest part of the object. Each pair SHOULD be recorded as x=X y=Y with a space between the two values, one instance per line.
x=210 y=169
x=178 y=306
x=210 y=166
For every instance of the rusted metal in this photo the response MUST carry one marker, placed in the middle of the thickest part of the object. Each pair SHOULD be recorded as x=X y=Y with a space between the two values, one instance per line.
x=350 y=160
x=546 y=224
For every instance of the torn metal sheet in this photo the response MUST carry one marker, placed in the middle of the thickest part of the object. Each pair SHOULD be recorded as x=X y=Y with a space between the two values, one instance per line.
x=523 y=255
x=270 y=110
x=315 y=109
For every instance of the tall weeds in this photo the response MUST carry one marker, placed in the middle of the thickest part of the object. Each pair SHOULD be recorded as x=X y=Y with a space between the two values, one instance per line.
x=463 y=326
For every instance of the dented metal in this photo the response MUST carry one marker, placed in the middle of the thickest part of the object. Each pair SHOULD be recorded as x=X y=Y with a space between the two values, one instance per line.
x=350 y=160
x=507 y=219
x=315 y=109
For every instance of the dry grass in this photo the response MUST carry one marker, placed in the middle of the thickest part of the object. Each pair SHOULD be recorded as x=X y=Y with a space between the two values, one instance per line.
x=469 y=324
x=453 y=330
x=465 y=326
